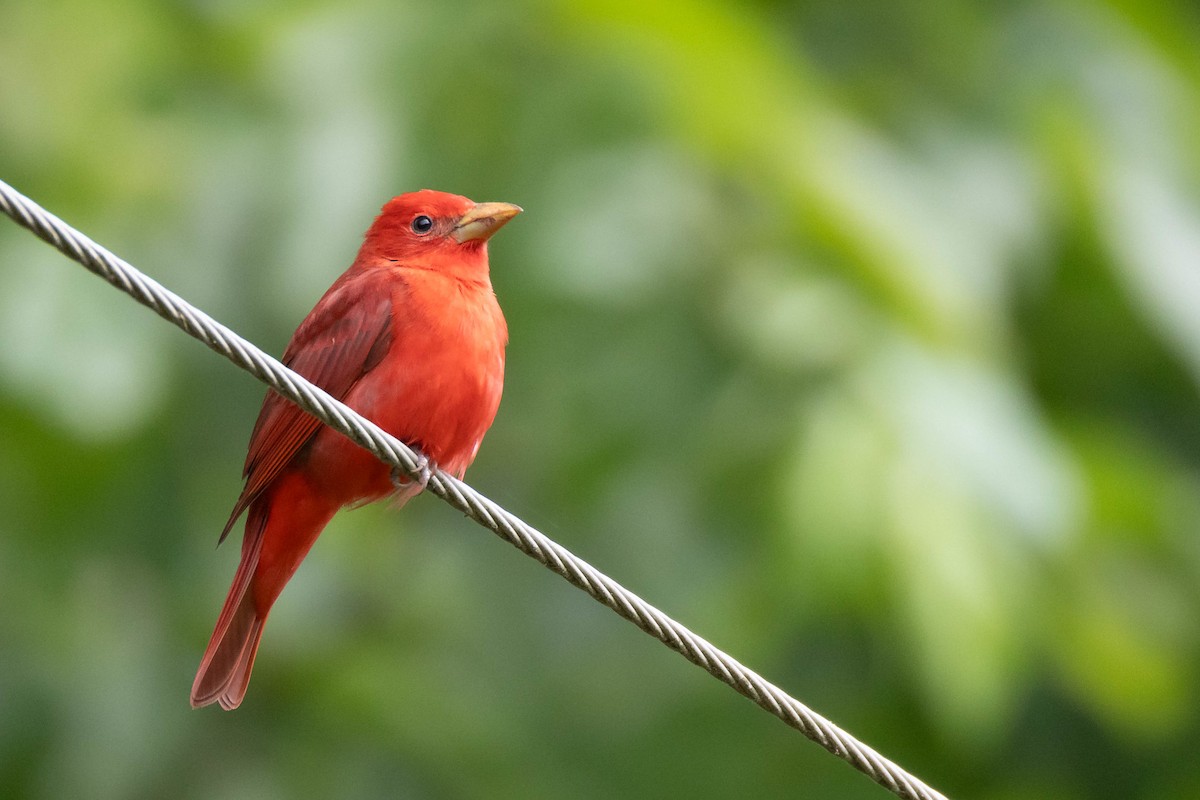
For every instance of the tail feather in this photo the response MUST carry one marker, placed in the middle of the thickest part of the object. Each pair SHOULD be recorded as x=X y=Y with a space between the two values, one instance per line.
x=225 y=669
x=296 y=514
x=239 y=679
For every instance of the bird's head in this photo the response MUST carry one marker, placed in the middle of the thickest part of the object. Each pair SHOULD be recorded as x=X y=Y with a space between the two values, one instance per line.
x=436 y=231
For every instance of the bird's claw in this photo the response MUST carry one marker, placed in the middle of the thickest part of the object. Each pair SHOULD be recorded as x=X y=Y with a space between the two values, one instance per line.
x=405 y=482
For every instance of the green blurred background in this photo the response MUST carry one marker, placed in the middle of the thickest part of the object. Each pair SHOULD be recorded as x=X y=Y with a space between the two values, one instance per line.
x=861 y=337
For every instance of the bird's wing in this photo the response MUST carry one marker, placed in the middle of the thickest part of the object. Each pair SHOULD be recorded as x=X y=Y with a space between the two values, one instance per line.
x=344 y=336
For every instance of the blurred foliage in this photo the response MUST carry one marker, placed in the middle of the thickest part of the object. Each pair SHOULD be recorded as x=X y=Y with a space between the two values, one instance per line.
x=862 y=338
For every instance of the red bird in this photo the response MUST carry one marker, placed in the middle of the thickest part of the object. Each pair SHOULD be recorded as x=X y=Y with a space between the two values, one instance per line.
x=411 y=337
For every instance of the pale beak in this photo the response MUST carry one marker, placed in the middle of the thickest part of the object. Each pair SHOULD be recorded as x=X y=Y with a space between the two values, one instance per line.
x=482 y=221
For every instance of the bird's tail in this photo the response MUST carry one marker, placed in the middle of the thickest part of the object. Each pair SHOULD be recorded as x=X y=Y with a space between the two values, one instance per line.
x=225 y=669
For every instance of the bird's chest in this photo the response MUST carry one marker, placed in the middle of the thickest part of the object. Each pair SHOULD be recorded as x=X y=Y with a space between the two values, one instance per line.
x=439 y=385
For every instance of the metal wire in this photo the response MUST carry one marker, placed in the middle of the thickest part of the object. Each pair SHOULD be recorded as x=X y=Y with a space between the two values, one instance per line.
x=461 y=496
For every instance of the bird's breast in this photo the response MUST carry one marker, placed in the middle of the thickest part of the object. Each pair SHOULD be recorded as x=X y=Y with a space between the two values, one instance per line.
x=439 y=385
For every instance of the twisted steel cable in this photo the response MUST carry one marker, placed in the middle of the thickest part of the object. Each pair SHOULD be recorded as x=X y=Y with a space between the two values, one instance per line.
x=525 y=538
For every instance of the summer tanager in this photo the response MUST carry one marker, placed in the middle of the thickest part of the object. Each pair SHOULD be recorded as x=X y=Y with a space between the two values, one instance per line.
x=411 y=337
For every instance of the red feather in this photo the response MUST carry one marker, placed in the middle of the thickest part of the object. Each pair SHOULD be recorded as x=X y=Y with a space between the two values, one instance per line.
x=342 y=339
x=410 y=336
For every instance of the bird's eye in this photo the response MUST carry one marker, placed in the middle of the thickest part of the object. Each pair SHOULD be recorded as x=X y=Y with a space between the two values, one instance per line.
x=422 y=224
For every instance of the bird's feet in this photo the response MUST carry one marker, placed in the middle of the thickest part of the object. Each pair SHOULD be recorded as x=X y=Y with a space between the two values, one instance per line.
x=407 y=483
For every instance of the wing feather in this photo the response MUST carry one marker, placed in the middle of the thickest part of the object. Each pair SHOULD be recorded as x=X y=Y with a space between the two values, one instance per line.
x=345 y=335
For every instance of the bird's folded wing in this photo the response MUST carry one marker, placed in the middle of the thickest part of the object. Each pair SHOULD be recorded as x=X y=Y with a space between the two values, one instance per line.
x=344 y=336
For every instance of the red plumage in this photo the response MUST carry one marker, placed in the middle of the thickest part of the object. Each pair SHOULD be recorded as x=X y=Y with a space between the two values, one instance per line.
x=411 y=337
